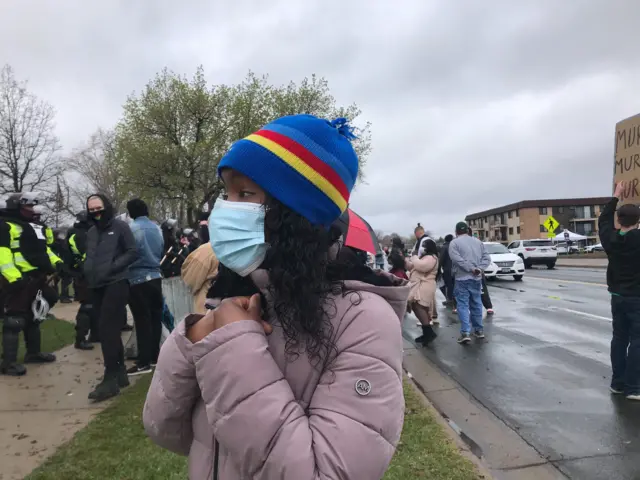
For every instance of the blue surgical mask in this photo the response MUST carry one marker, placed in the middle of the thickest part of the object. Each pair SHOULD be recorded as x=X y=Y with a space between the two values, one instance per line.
x=236 y=233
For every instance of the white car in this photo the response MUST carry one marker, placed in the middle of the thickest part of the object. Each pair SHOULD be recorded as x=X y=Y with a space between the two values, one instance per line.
x=535 y=252
x=503 y=262
x=594 y=248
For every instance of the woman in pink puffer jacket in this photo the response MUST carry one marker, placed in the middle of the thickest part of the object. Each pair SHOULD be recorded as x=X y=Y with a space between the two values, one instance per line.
x=297 y=374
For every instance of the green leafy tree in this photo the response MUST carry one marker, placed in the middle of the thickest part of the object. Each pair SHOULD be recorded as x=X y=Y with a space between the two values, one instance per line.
x=174 y=133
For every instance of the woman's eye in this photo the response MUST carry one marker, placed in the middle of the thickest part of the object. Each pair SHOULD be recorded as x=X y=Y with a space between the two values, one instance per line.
x=246 y=194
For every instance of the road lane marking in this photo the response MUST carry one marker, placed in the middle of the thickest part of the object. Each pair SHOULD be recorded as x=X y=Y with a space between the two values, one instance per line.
x=567 y=281
x=585 y=314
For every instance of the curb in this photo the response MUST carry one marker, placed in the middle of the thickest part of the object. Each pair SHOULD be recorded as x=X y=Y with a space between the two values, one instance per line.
x=599 y=267
x=466 y=445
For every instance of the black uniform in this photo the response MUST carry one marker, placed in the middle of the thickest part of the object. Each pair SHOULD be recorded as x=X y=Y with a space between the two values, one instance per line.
x=76 y=246
x=26 y=263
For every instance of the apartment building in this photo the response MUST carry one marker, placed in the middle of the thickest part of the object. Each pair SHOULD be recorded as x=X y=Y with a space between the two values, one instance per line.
x=524 y=220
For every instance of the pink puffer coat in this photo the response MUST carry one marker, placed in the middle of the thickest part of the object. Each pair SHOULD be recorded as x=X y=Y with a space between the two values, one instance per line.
x=278 y=418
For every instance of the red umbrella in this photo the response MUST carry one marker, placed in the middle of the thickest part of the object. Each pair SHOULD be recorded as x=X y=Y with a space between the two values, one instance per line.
x=358 y=233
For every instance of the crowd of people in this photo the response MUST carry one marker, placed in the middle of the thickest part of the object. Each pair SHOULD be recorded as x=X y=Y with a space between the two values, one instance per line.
x=293 y=337
x=456 y=268
x=109 y=262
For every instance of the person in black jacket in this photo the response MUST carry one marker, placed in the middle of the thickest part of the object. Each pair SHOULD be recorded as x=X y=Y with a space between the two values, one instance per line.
x=111 y=248
x=447 y=276
x=623 y=278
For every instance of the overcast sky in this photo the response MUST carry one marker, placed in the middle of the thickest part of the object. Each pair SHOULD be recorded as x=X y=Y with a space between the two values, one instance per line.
x=473 y=104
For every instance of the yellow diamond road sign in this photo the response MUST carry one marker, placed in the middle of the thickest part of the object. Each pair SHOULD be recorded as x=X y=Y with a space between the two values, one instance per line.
x=551 y=224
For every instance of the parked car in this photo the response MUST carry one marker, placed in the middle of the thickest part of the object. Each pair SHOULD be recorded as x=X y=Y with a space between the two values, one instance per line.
x=503 y=262
x=561 y=247
x=535 y=252
x=594 y=248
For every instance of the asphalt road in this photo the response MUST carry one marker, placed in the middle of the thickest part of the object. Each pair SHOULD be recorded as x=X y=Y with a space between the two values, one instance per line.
x=544 y=370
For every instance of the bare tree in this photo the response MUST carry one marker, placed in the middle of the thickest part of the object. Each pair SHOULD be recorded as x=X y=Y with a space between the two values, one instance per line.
x=101 y=168
x=28 y=145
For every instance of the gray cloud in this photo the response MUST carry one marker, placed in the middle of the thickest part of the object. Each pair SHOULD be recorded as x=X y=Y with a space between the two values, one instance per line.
x=473 y=104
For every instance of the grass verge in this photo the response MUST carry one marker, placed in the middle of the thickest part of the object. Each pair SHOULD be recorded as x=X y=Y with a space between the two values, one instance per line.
x=55 y=334
x=114 y=446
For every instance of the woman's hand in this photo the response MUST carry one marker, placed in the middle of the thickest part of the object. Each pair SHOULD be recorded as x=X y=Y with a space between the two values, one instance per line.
x=230 y=310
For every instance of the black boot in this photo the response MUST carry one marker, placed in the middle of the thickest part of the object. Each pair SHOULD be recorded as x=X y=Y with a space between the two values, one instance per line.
x=428 y=335
x=10 y=341
x=123 y=378
x=107 y=388
x=40 y=357
x=82 y=344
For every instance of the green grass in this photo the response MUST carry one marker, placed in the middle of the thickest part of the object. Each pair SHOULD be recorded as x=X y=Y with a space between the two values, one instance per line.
x=55 y=335
x=425 y=450
x=114 y=446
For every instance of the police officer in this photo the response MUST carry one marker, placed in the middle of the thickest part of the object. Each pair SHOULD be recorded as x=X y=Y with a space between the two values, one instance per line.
x=85 y=318
x=25 y=262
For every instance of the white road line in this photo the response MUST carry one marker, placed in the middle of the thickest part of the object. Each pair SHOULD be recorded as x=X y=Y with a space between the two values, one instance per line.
x=585 y=314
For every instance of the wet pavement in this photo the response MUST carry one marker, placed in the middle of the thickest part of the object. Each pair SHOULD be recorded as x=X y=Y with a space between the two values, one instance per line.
x=544 y=370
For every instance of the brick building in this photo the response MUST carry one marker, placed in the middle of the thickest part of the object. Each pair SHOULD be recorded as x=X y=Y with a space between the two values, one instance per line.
x=523 y=220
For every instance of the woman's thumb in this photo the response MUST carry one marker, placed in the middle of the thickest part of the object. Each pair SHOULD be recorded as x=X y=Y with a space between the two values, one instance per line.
x=255 y=305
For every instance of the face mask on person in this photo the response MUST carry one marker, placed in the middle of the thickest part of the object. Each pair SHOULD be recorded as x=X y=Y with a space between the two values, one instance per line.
x=236 y=233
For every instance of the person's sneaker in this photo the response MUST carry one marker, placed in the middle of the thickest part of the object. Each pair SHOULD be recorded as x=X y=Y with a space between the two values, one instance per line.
x=479 y=334
x=106 y=389
x=39 y=357
x=139 y=370
x=634 y=396
x=83 y=345
x=123 y=377
x=13 y=369
x=464 y=338
x=616 y=390
x=490 y=311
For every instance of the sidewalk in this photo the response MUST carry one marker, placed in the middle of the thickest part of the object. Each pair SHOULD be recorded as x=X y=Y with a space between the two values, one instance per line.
x=46 y=407
x=582 y=262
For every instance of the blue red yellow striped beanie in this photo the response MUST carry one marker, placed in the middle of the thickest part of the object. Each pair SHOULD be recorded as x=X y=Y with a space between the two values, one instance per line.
x=305 y=162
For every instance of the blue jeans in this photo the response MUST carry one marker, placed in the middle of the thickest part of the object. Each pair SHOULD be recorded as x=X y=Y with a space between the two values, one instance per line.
x=625 y=344
x=468 y=295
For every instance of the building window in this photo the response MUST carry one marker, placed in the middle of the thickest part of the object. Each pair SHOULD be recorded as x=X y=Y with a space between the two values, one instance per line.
x=509 y=214
x=560 y=209
x=542 y=210
x=542 y=229
x=517 y=212
x=510 y=230
x=518 y=230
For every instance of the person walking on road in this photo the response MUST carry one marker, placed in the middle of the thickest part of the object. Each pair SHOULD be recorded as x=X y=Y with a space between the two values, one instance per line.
x=447 y=275
x=111 y=249
x=145 y=296
x=469 y=258
x=623 y=278
x=303 y=379
x=422 y=282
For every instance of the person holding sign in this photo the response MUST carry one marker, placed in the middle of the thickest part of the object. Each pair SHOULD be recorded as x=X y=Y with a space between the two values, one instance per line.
x=623 y=278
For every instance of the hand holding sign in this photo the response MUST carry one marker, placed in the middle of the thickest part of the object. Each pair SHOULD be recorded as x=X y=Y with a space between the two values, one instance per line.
x=619 y=192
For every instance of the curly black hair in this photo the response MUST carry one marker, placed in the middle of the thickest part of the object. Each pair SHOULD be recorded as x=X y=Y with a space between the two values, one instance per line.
x=299 y=281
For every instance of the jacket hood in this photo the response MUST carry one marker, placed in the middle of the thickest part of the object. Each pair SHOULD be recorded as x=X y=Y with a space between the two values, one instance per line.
x=395 y=291
x=107 y=216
